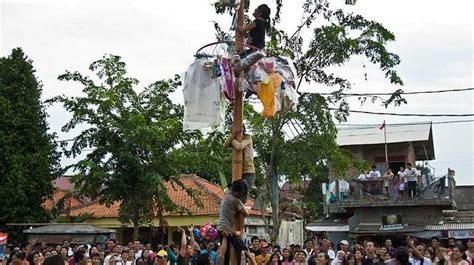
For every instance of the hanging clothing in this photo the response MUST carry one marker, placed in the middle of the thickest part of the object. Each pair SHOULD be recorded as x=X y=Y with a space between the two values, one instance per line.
x=267 y=94
x=287 y=98
x=203 y=104
x=229 y=79
x=286 y=68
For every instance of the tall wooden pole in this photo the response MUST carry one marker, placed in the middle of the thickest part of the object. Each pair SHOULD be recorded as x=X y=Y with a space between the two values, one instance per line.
x=237 y=155
x=237 y=158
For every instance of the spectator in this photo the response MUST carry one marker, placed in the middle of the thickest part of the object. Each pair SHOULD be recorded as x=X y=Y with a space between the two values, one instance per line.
x=264 y=257
x=371 y=257
x=300 y=258
x=403 y=184
x=374 y=173
x=388 y=178
x=402 y=256
x=33 y=258
x=323 y=258
x=359 y=256
x=161 y=258
x=411 y=177
x=275 y=260
x=344 y=245
x=308 y=247
x=95 y=259
x=339 y=258
x=210 y=249
x=470 y=250
x=430 y=254
x=389 y=247
x=349 y=260
x=54 y=260
x=362 y=176
x=287 y=257
x=326 y=247
x=456 y=257
x=255 y=247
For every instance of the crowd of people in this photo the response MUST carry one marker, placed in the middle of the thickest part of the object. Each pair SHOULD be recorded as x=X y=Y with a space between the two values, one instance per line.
x=402 y=185
x=258 y=252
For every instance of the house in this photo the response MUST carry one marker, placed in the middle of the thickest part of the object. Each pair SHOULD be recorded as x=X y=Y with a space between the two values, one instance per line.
x=406 y=143
x=359 y=208
x=100 y=215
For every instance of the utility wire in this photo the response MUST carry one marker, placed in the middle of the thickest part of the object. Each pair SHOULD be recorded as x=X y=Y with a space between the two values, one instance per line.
x=402 y=124
x=402 y=93
x=407 y=114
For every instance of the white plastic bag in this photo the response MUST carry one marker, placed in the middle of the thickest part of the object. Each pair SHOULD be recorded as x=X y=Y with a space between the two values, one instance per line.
x=203 y=106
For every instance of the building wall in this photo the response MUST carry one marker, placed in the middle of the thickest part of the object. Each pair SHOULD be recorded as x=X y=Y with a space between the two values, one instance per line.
x=373 y=153
x=254 y=225
x=410 y=215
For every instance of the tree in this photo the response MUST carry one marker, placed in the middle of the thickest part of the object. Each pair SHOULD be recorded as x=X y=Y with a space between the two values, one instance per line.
x=132 y=136
x=336 y=39
x=28 y=156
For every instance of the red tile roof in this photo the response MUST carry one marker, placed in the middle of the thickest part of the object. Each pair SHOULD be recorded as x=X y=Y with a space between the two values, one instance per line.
x=57 y=196
x=63 y=183
x=210 y=197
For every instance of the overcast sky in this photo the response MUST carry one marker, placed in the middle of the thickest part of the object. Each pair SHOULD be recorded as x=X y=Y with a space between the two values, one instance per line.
x=157 y=39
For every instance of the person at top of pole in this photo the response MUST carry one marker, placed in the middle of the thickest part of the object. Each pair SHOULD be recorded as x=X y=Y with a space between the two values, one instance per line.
x=257 y=28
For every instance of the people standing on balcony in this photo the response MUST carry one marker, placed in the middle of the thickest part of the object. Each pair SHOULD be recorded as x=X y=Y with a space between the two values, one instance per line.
x=362 y=176
x=374 y=173
x=403 y=184
x=411 y=177
x=396 y=188
x=388 y=178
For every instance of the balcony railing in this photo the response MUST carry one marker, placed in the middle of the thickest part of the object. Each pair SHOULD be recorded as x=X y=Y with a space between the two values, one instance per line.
x=376 y=192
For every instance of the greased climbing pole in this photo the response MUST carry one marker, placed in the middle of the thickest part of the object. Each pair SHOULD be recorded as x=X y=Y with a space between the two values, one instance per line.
x=237 y=156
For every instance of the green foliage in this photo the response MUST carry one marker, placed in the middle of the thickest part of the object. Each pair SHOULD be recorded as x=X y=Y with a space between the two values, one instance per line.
x=206 y=157
x=311 y=149
x=28 y=160
x=133 y=137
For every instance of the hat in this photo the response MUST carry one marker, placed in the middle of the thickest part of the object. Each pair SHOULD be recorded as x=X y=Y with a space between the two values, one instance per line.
x=162 y=253
x=344 y=242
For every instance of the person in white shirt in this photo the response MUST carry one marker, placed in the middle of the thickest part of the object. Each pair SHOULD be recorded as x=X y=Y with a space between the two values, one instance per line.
x=416 y=260
x=362 y=176
x=402 y=182
x=374 y=173
x=410 y=175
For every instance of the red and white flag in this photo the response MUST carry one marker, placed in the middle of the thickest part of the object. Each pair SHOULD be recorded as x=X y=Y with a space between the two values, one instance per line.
x=383 y=125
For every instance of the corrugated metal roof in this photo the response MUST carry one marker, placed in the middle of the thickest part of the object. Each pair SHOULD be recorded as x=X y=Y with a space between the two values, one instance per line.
x=451 y=226
x=68 y=229
x=395 y=134
x=327 y=228
x=367 y=228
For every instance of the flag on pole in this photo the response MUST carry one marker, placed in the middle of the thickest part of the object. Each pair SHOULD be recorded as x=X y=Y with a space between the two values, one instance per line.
x=383 y=125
